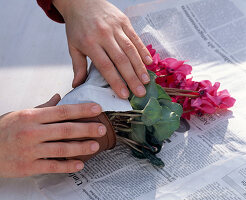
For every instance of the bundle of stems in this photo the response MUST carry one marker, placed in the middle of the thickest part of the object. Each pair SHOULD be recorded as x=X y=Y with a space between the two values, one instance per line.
x=121 y=122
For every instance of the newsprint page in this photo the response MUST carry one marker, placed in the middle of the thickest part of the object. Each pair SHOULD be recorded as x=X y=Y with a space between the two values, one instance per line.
x=205 y=161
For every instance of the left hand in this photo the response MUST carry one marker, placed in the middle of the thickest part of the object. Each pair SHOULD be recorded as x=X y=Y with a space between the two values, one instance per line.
x=99 y=30
x=29 y=136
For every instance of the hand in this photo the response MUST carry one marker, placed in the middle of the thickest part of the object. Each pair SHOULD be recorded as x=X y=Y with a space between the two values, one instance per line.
x=99 y=30
x=25 y=139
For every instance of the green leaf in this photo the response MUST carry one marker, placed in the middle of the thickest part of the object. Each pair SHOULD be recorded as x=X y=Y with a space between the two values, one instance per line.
x=162 y=93
x=152 y=112
x=167 y=125
x=138 y=133
x=150 y=128
x=174 y=107
x=152 y=75
x=138 y=103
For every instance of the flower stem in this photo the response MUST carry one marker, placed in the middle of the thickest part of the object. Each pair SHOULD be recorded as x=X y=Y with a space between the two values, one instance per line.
x=125 y=114
x=135 y=122
x=129 y=144
x=136 y=111
x=128 y=130
x=179 y=90
x=184 y=95
x=133 y=142
x=122 y=125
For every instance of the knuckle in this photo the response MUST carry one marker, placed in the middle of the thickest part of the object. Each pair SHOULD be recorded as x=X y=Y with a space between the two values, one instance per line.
x=85 y=108
x=128 y=46
x=121 y=59
x=53 y=167
x=62 y=112
x=106 y=65
x=92 y=129
x=143 y=48
x=117 y=83
x=135 y=38
x=88 y=40
x=124 y=19
x=102 y=29
x=60 y=151
x=66 y=130
x=85 y=149
x=141 y=70
x=26 y=115
x=68 y=168
x=132 y=80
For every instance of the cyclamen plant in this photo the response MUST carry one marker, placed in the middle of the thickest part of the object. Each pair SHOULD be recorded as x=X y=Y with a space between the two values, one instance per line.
x=170 y=96
x=154 y=118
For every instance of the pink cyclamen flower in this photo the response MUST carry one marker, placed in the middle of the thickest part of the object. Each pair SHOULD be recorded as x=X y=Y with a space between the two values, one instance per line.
x=151 y=50
x=172 y=73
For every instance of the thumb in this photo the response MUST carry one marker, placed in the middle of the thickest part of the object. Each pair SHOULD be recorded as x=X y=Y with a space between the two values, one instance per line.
x=52 y=102
x=79 y=67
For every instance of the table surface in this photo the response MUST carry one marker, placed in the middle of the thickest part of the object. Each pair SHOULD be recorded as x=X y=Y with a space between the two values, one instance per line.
x=34 y=65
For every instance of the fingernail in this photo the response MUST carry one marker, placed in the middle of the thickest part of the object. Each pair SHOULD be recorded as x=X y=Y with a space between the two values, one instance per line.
x=79 y=166
x=145 y=78
x=101 y=130
x=149 y=60
x=124 y=93
x=94 y=146
x=141 y=90
x=96 y=109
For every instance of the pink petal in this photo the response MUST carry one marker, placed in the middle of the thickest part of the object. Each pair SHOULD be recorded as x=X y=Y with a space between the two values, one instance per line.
x=208 y=109
x=168 y=61
x=151 y=50
x=227 y=102
x=196 y=102
x=205 y=83
x=224 y=93
x=186 y=69
x=176 y=65
x=214 y=99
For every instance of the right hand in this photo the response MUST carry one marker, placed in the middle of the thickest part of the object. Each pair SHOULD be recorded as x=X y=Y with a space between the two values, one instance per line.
x=26 y=139
x=99 y=30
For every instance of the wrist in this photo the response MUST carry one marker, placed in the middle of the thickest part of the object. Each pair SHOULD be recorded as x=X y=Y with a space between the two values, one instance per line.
x=62 y=6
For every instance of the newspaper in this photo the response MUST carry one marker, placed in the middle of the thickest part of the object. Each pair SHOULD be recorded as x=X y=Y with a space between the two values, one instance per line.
x=206 y=162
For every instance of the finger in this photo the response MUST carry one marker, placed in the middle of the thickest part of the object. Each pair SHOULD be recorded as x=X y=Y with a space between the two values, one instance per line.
x=66 y=149
x=125 y=68
x=69 y=130
x=79 y=66
x=132 y=35
x=132 y=53
x=66 y=112
x=52 y=102
x=108 y=71
x=53 y=166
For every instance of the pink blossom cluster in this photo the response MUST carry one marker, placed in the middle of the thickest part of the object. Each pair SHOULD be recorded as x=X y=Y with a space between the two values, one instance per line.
x=204 y=96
